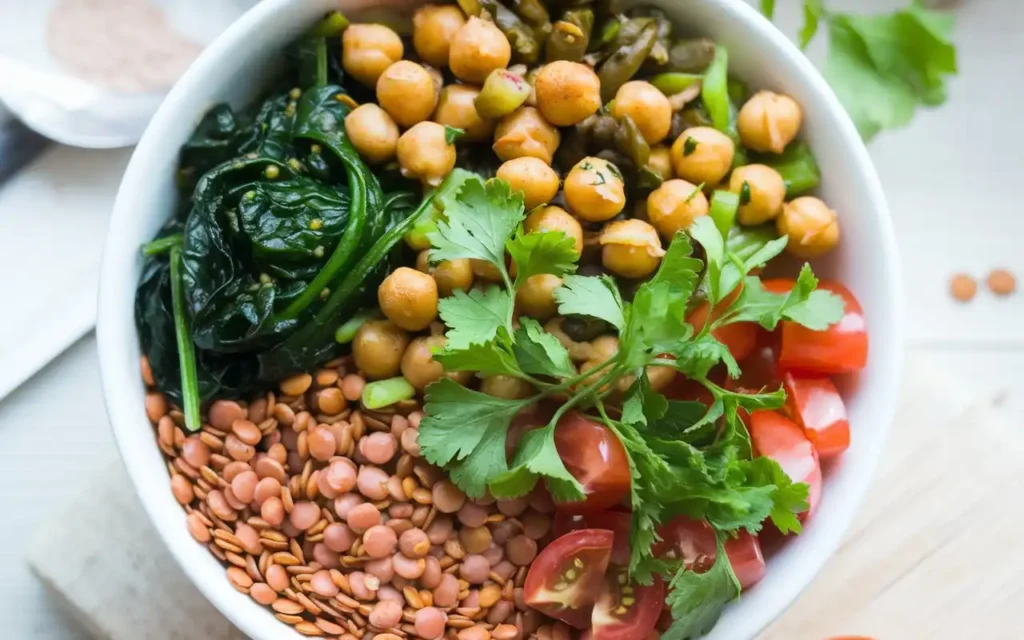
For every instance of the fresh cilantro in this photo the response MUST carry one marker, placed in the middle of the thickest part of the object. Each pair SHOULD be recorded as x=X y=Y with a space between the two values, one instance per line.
x=480 y=219
x=537 y=456
x=689 y=146
x=788 y=499
x=486 y=359
x=535 y=253
x=451 y=134
x=540 y=353
x=594 y=296
x=745 y=193
x=696 y=358
x=814 y=309
x=476 y=317
x=697 y=599
x=693 y=194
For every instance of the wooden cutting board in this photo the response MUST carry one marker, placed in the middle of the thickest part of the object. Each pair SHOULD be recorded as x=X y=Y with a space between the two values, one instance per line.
x=934 y=554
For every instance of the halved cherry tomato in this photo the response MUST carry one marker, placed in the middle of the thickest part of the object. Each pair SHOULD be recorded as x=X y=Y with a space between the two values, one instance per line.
x=757 y=372
x=617 y=521
x=594 y=456
x=842 y=348
x=567 y=577
x=779 y=438
x=626 y=611
x=693 y=541
x=814 y=403
x=739 y=338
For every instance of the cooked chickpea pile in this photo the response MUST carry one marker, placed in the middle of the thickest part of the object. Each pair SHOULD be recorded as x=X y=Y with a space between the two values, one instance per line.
x=326 y=513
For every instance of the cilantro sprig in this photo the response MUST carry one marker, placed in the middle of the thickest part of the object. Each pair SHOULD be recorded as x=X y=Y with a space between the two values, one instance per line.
x=685 y=458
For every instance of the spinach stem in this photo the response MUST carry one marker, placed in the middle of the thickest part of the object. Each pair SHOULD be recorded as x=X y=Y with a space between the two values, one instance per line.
x=162 y=245
x=186 y=348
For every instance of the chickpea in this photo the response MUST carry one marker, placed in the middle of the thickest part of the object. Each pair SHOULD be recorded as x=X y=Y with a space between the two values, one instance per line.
x=567 y=92
x=647 y=107
x=532 y=176
x=812 y=227
x=452 y=275
x=660 y=377
x=661 y=162
x=408 y=298
x=373 y=133
x=702 y=154
x=631 y=248
x=378 y=348
x=368 y=49
x=476 y=49
x=525 y=132
x=769 y=121
x=406 y=91
x=424 y=153
x=763 y=194
x=455 y=108
x=432 y=29
x=674 y=206
x=555 y=219
x=536 y=297
x=594 y=190
x=418 y=364
x=485 y=271
x=506 y=387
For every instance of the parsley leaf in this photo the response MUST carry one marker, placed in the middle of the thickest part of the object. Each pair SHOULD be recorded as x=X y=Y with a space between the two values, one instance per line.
x=480 y=219
x=789 y=498
x=594 y=296
x=539 y=352
x=535 y=253
x=451 y=134
x=465 y=430
x=816 y=310
x=697 y=599
x=697 y=357
x=487 y=359
x=883 y=67
x=537 y=456
x=476 y=317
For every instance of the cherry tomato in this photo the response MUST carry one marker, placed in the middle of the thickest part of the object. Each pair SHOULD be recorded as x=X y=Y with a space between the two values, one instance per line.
x=594 y=456
x=617 y=521
x=740 y=338
x=694 y=542
x=779 y=438
x=757 y=372
x=815 y=404
x=567 y=577
x=842 y=348
x=626 y=611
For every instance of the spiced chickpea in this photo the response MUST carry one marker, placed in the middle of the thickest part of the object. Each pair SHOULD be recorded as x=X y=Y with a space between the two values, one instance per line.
x=674 y=206
x=507 y=387
x=378 y=347
x=456 y=108
x=408 y=298
x=406 y=91
x=567 y=92
x=368 y=49
x=525 y=132
x=761 y=190
x=812 y=227
x=373 y=133
x=631 y=248
x=661 y=162
x=424 y=153
x=647 y=107
x=536 y=297
x=418 y=364
x=452 y=275
x=594 y=190
x=476 y=49
x=702 y=155
x=433 y=27
x=769 y=121
x=533 y=177
x=555 y=219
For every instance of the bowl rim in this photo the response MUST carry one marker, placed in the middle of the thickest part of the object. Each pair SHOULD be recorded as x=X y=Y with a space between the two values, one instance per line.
x=111 y=337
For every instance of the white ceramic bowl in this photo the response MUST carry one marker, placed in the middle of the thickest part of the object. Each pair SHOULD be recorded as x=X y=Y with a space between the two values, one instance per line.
x=232 y=69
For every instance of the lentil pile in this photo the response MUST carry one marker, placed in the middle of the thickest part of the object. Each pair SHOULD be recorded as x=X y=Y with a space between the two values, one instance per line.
x=325 y=512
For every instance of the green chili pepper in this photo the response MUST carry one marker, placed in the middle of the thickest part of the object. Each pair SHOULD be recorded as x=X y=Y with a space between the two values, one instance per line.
x=672 y=83
x=797 y=166
x=623 y=64
x=570 y=36
x=691 y=56
x=715 y=93
x=532 y=12
x=525 y=48
x=724 y=205
x=606 y=34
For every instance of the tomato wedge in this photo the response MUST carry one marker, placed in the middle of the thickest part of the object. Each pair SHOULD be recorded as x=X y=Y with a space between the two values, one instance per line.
x=779 y=438
x=567 y=577
x=694 y=542
x=626 y=611
x=616 y=521
x=842 y=348
x=757 y=372
x=594 y=456
x=739 y=338
x=814 y=403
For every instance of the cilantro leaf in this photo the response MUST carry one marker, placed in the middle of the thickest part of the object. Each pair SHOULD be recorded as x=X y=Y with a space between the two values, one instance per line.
x=594 y=296
x=465 y=430
x=488 y=359
x=816 y=310
x=797 y=166
x=697 y=599
x=451 y=134
x=535 y=253
x=536 y=457
x=789 y=498
x=814 y=10
x=476 y=317
x=480 y=219
x=539 y=352
x=883 y=67
x=697 y=357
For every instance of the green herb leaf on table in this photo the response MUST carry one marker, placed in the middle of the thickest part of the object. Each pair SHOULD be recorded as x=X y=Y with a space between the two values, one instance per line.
x=697 y=599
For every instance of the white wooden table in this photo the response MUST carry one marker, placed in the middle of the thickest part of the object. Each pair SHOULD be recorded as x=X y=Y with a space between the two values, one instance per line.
x=953 y=180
